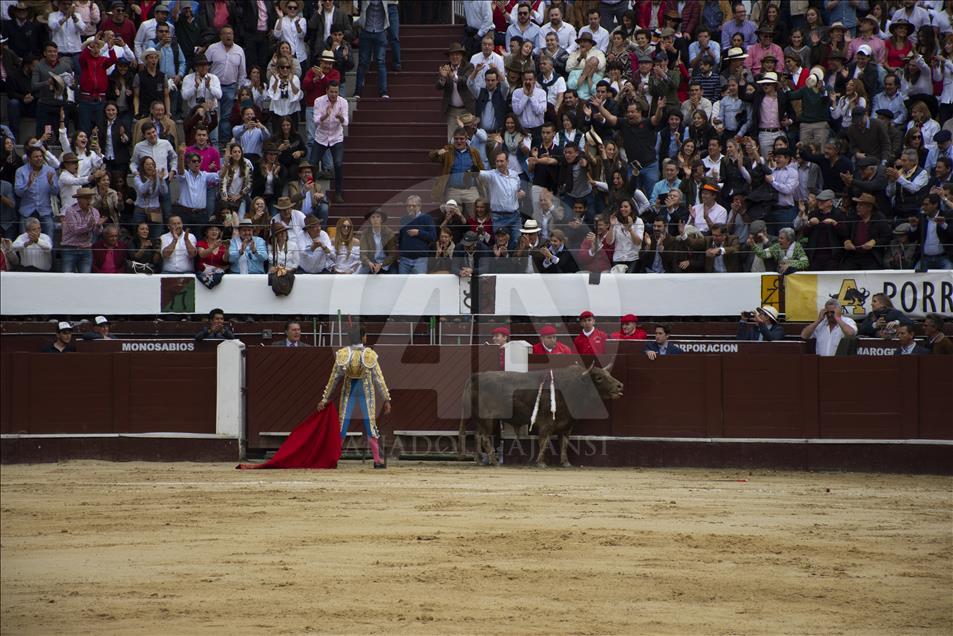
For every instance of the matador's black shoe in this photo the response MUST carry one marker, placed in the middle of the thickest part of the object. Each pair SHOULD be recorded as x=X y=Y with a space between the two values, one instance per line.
x=381 y=465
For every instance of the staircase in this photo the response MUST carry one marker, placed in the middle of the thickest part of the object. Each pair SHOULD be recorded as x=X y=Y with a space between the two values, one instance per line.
x=385 y=151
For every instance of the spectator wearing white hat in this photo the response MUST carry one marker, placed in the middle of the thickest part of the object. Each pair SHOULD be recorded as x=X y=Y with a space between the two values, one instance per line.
x=100 y=330
x=64 y=340
x=760 y=324
x=864 y=68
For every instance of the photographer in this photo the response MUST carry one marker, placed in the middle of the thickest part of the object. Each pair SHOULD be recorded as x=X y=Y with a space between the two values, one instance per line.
x=760 y=324
x=883 y=320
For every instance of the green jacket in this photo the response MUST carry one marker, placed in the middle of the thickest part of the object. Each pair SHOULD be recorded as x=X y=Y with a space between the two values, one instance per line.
x=798 y=262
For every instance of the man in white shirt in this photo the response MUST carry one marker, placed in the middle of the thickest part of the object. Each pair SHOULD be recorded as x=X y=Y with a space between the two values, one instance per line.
x=563 y=30
x=505 y=195
x=529 y=104
x=830 y=327
x=330 y=120
x=228 y=65
x=479 y=18
x=599 y=34
x=482 y=62
x=201 y=87
x=293 y=29
x=316 y=249
x=177 y=249
x=34 y=248
x=162 y=152
x=146 y=34
x=708 y=212
x=66 y=30
x=292 y=219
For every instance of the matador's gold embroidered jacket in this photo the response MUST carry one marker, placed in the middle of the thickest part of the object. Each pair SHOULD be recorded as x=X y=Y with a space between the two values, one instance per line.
x=358 y=363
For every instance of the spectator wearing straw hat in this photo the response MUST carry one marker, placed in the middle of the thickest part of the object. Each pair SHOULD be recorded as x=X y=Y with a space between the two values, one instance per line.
x=452 y=79
x=591 y=341
x=316 y=253
x=247 y=253
x=293 y=219
x=760 y=324
x=629 y=329
x=81 y=224
x=549 y=344
x=771 y=111
x=64 y=340
x=765 y=46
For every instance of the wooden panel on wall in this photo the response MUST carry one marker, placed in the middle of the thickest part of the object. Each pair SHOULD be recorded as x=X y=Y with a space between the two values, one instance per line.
x=665 y=398
x=171 y=392
x=69 y=393
x=935 y=393
x=860 y=398
x=763 y=396
x=6 y=393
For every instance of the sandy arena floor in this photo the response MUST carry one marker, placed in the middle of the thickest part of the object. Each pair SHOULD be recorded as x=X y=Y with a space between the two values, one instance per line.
x=91 y=547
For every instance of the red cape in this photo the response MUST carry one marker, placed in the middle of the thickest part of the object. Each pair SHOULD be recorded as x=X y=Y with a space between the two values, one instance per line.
x=315 y=443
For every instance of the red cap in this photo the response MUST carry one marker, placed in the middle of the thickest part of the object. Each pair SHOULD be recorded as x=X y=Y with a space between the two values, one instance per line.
x=629 y=318
x=547 y=330
x=586 y=314
x=502 y=330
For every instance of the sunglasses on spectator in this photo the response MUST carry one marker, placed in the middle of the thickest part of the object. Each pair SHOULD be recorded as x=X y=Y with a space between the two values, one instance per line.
x=284 y=67
x=523 y=13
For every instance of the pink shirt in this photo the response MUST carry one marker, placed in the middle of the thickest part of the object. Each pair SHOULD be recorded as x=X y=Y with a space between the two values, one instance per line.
x=876 y=47
x=769 y=112
x=211 y=159
x=756 y=53
x=78 y=228
x=330 y=131
x=262 y=16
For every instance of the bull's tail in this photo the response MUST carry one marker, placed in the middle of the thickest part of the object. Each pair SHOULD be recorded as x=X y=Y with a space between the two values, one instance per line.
x=466 y=409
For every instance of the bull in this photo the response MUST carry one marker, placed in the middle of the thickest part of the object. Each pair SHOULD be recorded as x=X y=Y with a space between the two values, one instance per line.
x=511 y=397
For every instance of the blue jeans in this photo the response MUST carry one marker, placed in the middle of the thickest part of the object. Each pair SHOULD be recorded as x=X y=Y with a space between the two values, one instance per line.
x=90 y=114
x=337 y=157
x=648 y=177
x=309 y=125
x=78 y=259
x=940 y=261
x=46 y=223
x=373 y=45
x=510 y=221
x=393 y=34
x=780 y=217
x=412 y=265
x=225 y=110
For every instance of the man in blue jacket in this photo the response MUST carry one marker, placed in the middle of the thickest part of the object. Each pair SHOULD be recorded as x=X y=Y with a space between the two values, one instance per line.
x=417 y=236
x=661 y=346
x=247 y=253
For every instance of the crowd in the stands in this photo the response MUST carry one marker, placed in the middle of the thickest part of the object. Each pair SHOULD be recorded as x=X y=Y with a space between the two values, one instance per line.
x=625 y=136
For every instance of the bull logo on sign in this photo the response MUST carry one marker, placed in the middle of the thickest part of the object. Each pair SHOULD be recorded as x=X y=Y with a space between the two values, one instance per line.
x=852 y=297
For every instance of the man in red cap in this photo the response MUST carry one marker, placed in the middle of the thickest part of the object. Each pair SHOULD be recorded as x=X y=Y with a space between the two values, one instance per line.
x=592 y=341
x=548 y=345
x=630 y=329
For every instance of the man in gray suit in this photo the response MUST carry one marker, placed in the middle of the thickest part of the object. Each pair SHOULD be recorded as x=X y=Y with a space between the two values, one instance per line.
x=292 y=336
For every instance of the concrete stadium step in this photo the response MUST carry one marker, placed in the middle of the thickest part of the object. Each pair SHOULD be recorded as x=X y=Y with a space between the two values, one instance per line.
x=397 y=116
x=416 y=153
x=428 y=76
x=361 y=142
x=371 y=198
x=374 y=103
x=433 y=30
x=374 y=128
x=422 y=170
x=416 y=40
x=393 y=208
x=429 y=54
x=398 y=90
x=412 y=182
x=429 y=65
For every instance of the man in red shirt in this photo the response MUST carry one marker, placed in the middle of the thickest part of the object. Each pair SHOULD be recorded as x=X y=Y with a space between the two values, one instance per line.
x=93 y=82
x=500 y=336
x=630 y=329
x=548 y=345
x=592 y=341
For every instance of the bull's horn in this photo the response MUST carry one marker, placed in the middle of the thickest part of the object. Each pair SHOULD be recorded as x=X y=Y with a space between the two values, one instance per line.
x=588 y=369
x=608 y=368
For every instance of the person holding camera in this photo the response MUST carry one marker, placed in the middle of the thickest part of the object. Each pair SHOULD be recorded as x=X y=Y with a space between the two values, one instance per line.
x=829 y=329
x=760 y=324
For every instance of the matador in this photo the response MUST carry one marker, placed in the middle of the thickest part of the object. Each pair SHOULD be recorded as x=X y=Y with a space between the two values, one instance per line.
x=361 y=371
